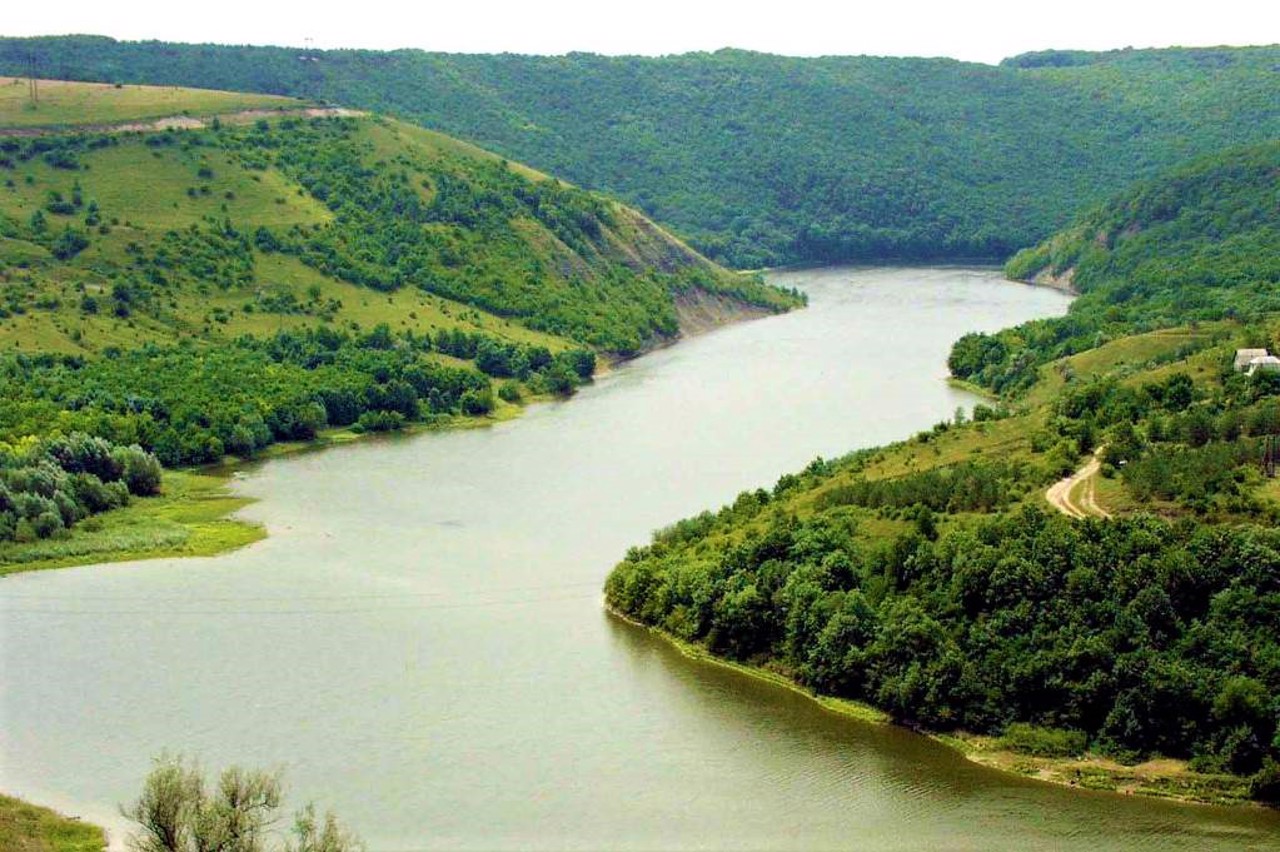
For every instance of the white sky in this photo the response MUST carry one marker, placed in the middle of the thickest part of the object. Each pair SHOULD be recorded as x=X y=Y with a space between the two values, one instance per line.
x=976 y=30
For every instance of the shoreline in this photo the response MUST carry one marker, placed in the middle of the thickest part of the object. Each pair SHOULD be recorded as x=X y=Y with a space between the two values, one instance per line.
x=1160 y=778
x=195 y=515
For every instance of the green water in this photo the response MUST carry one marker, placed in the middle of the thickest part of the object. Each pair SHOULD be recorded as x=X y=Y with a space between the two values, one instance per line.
x=420 y=642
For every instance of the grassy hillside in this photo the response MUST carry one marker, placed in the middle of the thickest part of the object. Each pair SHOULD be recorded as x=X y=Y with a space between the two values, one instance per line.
x=61 y=103
x=763 y=159
x=175 y=296
x=935 y=580
x=28 y=828
x=249 y=229
x=1200 y=242
x=932 y=580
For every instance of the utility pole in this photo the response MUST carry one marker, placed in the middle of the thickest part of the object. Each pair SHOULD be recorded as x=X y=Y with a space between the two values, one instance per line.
x=33 y=85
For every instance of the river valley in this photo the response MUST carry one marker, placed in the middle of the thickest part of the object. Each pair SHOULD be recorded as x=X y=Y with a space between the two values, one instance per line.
x=420 y=642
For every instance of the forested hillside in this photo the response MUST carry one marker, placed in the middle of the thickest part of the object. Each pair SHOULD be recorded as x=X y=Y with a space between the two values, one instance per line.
x=932 y=579
x=763 y=160
x=1201 y=242
x=177 y=295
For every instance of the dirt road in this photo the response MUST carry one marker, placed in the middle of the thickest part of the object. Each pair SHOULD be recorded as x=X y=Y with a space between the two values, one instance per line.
x=181 y=122
x=1075 y=496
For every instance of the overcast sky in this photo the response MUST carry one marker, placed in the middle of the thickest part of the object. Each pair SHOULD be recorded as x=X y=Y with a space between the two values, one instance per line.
x=977 y=30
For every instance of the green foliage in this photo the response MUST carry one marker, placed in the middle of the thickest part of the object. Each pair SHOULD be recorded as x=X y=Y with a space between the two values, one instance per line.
x=179 y=811
x=1133 y=636
x=47 y=487
x=967 y=487
x=1043 y=742
x=1200 y=243
x=190 y=405
x=764 y=160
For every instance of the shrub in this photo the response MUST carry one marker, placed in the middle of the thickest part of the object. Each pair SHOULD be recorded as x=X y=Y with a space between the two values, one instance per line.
x=1043 y=742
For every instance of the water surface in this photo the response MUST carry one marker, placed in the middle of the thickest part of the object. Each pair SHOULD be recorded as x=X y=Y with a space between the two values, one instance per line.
x=420 y=642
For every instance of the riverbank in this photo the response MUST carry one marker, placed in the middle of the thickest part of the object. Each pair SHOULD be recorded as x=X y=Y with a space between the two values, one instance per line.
x=1162 y=778
x=194 y=515
x=190 y=517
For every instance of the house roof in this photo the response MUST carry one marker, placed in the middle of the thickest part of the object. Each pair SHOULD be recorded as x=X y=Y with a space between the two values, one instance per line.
x=1247 y=356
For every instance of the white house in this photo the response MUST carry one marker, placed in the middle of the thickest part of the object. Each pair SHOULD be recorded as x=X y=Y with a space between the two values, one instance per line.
x=1245 y=357
x=1265 y=364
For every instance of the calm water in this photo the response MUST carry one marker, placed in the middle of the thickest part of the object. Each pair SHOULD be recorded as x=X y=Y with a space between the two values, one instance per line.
x=420 y=641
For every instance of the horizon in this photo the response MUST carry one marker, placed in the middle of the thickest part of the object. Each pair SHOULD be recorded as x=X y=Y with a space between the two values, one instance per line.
x=985 y=31
x=691 y=52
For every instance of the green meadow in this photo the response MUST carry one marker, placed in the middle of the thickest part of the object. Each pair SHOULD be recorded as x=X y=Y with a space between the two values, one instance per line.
x=60 y=103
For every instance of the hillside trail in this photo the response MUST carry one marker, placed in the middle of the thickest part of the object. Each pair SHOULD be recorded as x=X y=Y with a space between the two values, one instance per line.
x=1063 y=497
x=182 y=122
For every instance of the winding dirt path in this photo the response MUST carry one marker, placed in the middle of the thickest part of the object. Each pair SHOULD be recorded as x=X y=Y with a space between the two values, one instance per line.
x=1076 y=495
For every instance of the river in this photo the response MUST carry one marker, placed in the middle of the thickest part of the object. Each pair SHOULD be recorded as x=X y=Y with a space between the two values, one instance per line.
x=420 y=642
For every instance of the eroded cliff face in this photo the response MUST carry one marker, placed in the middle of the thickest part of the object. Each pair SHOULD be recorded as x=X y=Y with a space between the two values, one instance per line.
x=699 y=311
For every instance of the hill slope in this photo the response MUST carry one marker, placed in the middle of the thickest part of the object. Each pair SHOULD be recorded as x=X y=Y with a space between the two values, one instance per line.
x=62 y=103
x=178 y=295
x=763 y=159
x=240 y=219
x=1200 y=242
x=932 y=579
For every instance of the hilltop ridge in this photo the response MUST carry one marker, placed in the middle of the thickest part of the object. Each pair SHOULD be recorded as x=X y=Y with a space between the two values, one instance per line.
x=763 y=160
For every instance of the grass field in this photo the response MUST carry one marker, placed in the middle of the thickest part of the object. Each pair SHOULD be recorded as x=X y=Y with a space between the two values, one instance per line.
x=145 y=188
x=188 y=185
x=1134 y=360
x=62 y=103
x=190 y=518
x=30 y=828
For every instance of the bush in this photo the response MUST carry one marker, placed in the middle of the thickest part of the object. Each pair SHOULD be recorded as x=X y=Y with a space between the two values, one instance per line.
x=509 y=392
x=68 y=244
x=1264 y=786
x=141 y=471
x=380 y=421
x=179 y=811
x=476 y=403
x=1043 y=742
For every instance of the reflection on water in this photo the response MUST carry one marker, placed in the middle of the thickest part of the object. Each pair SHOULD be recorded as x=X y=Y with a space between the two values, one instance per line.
x=420 y=642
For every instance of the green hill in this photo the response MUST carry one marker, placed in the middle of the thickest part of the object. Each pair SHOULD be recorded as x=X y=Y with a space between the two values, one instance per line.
x=181 y=294
x=934 y=579
x=62 y=103
x=235 y=229
x=763 y=160
x=931 y=579
x=1201 y=242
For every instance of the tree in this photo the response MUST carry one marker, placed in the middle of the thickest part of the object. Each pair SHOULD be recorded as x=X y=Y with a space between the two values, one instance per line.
x=69 y=243
x=178 y=812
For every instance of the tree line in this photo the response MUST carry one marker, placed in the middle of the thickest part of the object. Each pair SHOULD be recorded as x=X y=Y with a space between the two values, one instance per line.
x=49 y=485
x=1143 y=636
x=191 y=404
x=767 y=160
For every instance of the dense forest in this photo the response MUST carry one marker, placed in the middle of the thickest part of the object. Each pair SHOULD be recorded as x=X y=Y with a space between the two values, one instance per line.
x=931 y=579
x=194 y=404
x=1141 y=636
x=1199 y=243
x=764 y=160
